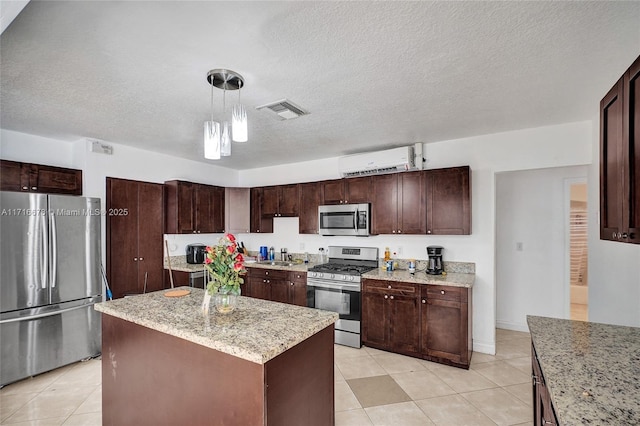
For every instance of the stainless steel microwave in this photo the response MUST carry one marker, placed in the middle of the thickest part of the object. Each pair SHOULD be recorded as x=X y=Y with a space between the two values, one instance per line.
x=345 y=219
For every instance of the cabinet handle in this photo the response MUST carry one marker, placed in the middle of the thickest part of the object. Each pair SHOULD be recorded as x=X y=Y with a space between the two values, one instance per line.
x=614 y=235
x=391 y=297
x=535 y=379
x=545 y=422
x=386 y=297
x=264 y=281
x=424 y=301
x=441 y=291
x=290 y=283
x=141 y=259
x=625 y=235
x=268 y=281
x=258 y=230
x=34 y=188
x=266 y=272
x=340 y=201
x=25 y=188
x=399 y=231
x=428 y=231
x=135 y=259
x=393 y=232
x=619 y=235
x=389 y=286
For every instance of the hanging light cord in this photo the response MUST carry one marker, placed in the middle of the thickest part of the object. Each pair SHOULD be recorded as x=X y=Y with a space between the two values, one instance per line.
x=212 y=77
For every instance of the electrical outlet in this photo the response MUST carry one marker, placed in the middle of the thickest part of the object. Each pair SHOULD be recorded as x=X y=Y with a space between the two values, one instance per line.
x=399 y=250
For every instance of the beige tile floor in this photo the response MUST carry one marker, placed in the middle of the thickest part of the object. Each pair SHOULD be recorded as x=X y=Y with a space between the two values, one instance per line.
x=371 y=388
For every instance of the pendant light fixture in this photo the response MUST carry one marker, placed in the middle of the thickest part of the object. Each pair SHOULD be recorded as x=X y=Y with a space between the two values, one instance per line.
x=217 y=137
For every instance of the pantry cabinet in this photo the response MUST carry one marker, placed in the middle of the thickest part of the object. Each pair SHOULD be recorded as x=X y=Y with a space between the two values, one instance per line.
x=194 y=208
x=620 y=159
x=134 y=236
x=424 y=321
x=28 y=177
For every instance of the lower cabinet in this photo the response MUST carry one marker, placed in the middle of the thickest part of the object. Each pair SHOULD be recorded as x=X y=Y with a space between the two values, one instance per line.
x=543 y=413
x=425 y=321
x=277 y=285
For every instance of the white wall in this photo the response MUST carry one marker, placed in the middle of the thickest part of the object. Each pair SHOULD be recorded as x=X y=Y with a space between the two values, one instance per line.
x=614 y=268
x=530 y=209
x=552 y=146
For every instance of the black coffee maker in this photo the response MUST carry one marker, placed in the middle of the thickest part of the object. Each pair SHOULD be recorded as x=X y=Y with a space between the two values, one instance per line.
x=435 y=260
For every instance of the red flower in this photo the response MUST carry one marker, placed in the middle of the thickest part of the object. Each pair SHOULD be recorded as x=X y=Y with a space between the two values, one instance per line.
x=231 y=248
x=209 y=249
x=237 y=266
x=230 y=237
x=239 y=257
x=208 y=260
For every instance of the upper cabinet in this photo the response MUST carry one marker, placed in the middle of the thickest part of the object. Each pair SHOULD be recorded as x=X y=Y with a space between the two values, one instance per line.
x=280 y=201
x=258 y=222
x=620 y=159
x=448 y=193
x=193 y=208
x=27 y=177
x=348 y=191
x=311 y=195
x=399 y=206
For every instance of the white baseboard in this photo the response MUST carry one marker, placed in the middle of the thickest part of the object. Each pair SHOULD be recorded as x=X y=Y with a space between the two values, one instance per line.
x=484 y=347
x=514 y=326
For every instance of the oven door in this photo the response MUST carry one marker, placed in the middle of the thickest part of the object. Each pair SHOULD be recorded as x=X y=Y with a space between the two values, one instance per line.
x=343 y=299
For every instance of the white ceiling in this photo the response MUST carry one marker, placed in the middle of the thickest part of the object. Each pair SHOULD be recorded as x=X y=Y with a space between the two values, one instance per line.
x=374 y=75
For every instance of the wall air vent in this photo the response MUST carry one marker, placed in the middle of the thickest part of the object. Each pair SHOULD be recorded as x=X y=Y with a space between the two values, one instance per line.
x=284 y=109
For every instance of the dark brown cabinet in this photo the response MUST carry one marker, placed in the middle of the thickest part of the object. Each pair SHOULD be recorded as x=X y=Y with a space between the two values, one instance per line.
x=425 y=321
x=27 y=177
x=194 y=208
x=446 y=325
x=280 y=201
x=277 y=285
x=311 y=195
x=392 y=313
x=543 y=412
x=448 y=200
x=259 y=222
x=180 y=279
x=348 y=191
x=134 y=236
x=620 y=159
x=399 y=206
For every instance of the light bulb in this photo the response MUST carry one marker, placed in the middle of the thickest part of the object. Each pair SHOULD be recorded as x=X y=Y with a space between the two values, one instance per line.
x=212 y=140
x=239 y=123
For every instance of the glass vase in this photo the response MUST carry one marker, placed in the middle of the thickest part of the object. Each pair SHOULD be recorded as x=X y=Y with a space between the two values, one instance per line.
x=225 y=302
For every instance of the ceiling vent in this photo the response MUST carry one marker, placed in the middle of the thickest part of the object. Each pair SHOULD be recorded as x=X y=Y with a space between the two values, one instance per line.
x=285 y=109
x=377 y=163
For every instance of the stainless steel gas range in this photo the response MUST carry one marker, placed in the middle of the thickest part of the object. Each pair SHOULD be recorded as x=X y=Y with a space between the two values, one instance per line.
x=335 y=286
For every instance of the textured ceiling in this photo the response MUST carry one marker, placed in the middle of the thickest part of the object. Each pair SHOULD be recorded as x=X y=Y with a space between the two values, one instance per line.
x=374 y=75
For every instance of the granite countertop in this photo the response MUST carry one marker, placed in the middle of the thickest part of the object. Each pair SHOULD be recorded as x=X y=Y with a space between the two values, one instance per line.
x=257 y=331
x=452 y=279
x=592 y=370
x=179 y=263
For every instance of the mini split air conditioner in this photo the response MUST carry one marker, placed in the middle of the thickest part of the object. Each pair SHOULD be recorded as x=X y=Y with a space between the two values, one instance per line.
x=380 y=162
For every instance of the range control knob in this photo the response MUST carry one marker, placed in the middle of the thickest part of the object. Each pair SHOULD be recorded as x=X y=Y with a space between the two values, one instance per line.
x=332 y=276
x=351 y=278
x=343 y=278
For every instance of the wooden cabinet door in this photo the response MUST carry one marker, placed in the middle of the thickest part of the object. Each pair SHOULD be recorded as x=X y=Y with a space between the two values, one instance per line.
x=260 y=288
x=449 y=201
x=385 y=206
x=298 y=288
x=611 y=163
x=333 y=192
x=259 y=222
x=279 y=290
x=443 y=329
x=55 y=180
x=122 y=237
x=404 y=326
x=310 y=199
x=11 y=176
x=631 y=127
x=375 y=319
x=209 y=209
x=270 y=200
x=412 y=208
x=150 y=231
x=358 y=190
x=288 y=201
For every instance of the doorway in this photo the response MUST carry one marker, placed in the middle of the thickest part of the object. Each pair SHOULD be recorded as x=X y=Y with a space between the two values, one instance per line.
x=578 y=252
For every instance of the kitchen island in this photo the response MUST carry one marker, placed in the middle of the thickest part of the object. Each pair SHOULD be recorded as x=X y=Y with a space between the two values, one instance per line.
x=165 y=362
x=584 y=372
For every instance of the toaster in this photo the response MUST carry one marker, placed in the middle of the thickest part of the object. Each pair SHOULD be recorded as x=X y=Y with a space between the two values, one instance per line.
x=196 y=253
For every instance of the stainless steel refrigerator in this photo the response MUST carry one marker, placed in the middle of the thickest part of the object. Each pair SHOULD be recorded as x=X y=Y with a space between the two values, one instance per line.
x=49 y=281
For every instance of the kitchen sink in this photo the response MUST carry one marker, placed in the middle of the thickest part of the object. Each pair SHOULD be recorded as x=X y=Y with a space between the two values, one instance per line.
x=276 y=262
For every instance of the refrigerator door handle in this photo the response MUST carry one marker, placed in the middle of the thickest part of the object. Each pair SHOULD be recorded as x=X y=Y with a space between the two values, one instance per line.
x=47 y=314
x=45 y=252
x=54 y=248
